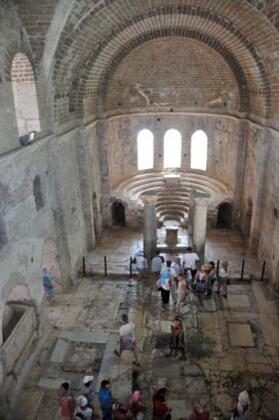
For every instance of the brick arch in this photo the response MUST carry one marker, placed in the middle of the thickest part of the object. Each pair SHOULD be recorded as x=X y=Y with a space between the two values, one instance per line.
x=86 y=64
x=185 y=33
x=13 y=49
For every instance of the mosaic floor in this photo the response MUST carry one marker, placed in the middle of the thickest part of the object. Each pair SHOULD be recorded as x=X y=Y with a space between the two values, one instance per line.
x=232 y=344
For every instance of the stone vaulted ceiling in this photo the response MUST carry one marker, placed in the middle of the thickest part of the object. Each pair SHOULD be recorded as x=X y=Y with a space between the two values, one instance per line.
x=93 y=37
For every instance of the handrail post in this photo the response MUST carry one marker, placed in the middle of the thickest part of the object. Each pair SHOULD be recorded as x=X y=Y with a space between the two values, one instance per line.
x=83 y=267
x=217 y=268
x=105 y=266
x=130 y=267
x=263 y=270
x=242 y=269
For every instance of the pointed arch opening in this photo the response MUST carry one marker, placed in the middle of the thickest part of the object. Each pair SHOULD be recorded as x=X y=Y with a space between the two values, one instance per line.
x=199 y=150
x=25 y=95
x=145 y=149
x=172 y=149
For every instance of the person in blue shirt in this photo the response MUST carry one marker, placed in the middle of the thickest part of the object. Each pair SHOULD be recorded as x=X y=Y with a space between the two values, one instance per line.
x=47 y=285
x=106 y=399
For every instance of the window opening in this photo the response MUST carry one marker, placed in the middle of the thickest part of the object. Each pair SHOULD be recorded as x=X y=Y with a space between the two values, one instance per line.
x=145 y=148
x=172 y=149
x=25 y=95
x=199 y=150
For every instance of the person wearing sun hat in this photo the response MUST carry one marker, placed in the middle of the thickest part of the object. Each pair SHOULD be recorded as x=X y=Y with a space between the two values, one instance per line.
x=83 y=410
x=88 y=389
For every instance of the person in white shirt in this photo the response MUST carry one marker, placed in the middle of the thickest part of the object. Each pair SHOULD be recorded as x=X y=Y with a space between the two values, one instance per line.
x=83 y=410
x=190 y=260
x=156 y=264
x=127 y=339
x=222 y=279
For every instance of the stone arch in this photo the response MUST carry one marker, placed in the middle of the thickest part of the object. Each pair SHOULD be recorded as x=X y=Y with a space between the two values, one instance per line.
x=224 y=216
x=23 y=85
x=37 y=192
x=118 y=214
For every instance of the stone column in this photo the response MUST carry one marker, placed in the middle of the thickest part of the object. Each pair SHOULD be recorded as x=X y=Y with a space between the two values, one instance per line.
x=199 y=226
x=150 y=230
x=191 y=213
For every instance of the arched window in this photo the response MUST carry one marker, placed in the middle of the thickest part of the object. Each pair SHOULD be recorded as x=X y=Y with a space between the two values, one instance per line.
x=199 y=150
x=25 y=95
x=172 y=149
x=145 y=149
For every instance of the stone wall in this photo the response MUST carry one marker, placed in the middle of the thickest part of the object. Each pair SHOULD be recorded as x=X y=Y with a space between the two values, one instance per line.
x=259 y=207
x=222 y=132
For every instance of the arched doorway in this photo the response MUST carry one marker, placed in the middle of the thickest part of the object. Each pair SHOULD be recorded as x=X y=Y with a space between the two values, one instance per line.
x=118 y=214
x=224 y=216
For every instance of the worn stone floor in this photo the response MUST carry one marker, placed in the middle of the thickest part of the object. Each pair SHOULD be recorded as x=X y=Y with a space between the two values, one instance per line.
x=232 y=344
x=118 y=245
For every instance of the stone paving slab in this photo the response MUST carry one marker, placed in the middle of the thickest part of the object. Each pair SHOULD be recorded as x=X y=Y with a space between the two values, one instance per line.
x=235 y=301
x=241 y=335
x=59 y=351
x=85 y=337
x=181 y=409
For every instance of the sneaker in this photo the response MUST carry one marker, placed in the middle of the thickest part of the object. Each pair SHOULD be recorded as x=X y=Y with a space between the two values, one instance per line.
x=116 y=352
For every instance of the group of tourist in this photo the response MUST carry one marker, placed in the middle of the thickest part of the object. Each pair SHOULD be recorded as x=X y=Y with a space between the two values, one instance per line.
x=179 y=279
x=77 y=408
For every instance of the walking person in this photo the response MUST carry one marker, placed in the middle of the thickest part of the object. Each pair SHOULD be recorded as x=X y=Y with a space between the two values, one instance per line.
x=161 y=410
x=88 y=390
x=211 y=277
x=191 y=259
x=156 y=265
x=128 y=339
x=47 y=285
x=200 y=412
x=67 y=402
x=241 y=410
x=106 y=399
x=177 y=343
x=165 y=283
x=137 y=406
x=181 y=293
x=222 y=280
x=201 y=283
x=83 y=410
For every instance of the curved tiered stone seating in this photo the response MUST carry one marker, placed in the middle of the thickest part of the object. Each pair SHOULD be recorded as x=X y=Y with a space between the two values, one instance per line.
x=172 y=194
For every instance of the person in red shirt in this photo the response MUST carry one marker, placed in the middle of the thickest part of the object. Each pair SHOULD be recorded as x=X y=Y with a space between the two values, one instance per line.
x=161 y=411
x=67 y=401
x=200 y=412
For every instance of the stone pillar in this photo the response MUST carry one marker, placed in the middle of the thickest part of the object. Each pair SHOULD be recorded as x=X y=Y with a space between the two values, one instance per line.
x=150 y=230
x=191 y=213
x=199 y=226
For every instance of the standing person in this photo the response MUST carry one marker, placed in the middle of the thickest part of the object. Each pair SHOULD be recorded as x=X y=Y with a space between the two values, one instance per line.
x=179 y=270
x=243 y=404
x=165 y=284
x=137 y=407
x=67 y=402
x=181 y=292
x=211 y=277
x=47 y=285
x=161 y=411
x=128 y=339
x=200 y=412
x=83 y=410
x=140 y=263
x=177 y=343
x=106 y=400
x=156 y=265
x=222 y=280
x=201 y=283
x=190 y=260
x=88 y=390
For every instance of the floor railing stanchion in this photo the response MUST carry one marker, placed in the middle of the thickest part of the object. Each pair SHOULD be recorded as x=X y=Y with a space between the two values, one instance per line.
x=83 y=267
x=105 y=266
x=263 y=270
x=242 y=269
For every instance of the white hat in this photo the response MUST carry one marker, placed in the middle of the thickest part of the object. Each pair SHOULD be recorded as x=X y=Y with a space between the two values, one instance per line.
x=87 y=379
x=82 y=401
